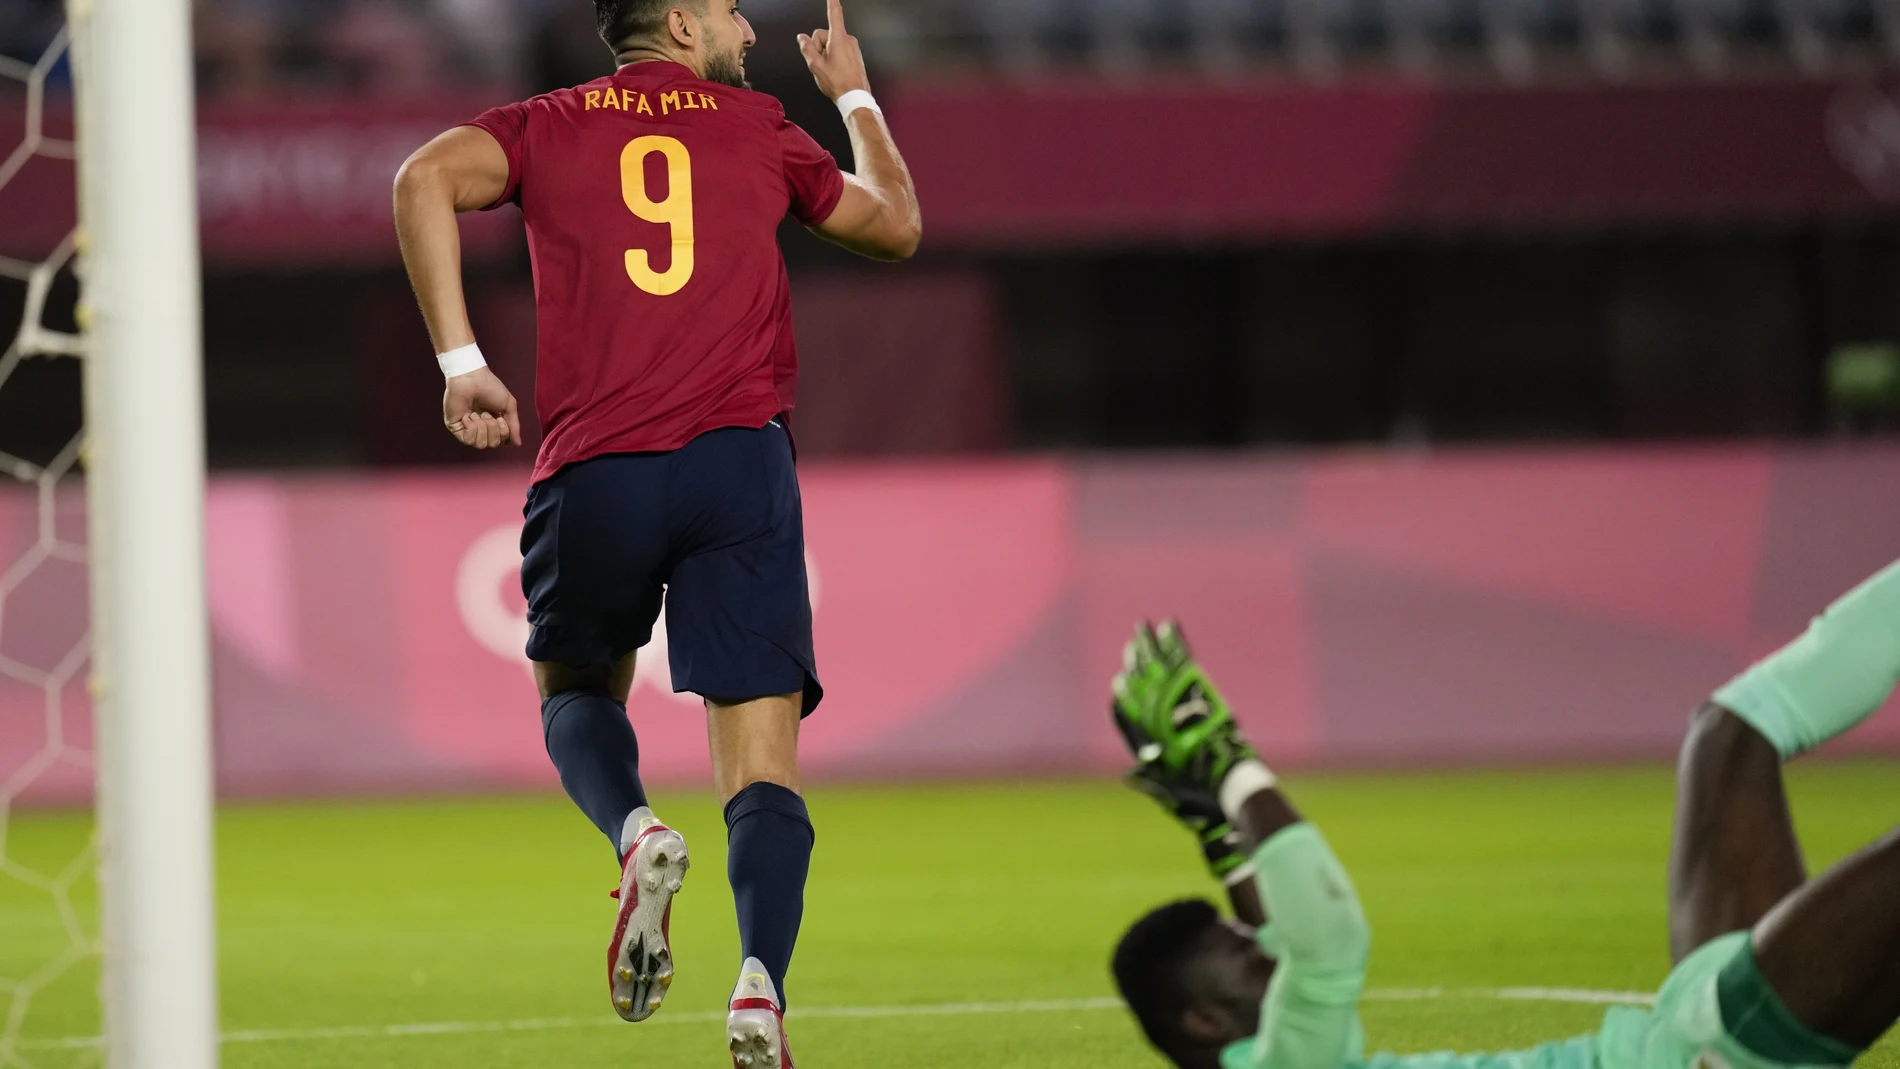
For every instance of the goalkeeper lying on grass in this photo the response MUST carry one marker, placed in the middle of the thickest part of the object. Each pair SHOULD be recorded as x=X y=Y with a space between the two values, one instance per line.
x=1773 y=969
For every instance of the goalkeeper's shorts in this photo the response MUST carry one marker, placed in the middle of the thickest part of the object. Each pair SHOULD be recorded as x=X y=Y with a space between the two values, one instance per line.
x=1716 y=1012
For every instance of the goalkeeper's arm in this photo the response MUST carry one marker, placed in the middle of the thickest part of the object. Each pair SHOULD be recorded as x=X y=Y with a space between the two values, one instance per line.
x=1225 y=844
x=1309 y=1018
x=1253 y=803
x=1192 y=759
x=1250 y=796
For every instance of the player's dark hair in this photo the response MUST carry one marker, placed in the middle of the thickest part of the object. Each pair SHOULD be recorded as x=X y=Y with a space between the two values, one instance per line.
x=630 y=22
x=1151 y=970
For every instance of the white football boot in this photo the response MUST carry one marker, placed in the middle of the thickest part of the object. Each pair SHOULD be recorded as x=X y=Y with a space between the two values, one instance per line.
x=755 y=1022
x=640 y=959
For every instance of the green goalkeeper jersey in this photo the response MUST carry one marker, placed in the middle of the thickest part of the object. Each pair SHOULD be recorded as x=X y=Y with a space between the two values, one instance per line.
x=1318 y=935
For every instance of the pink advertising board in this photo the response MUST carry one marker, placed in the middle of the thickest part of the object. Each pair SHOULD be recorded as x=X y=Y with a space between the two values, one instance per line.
x=1458 y=608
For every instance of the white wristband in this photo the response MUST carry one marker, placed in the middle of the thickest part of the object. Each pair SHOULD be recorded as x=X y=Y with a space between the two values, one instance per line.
x=461 y=361
x=1243 y=781
x=855 y=99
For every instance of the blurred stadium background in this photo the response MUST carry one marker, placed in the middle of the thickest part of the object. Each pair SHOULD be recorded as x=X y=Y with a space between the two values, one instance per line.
x=1481 y=380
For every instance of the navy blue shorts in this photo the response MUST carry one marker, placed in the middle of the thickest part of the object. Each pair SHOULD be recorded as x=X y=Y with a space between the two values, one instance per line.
x=714 y=529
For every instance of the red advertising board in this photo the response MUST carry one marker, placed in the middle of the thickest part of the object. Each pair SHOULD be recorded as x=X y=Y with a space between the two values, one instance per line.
x=1095 y=163
x=290 y=181
x=1004 y=166
x=310 y=182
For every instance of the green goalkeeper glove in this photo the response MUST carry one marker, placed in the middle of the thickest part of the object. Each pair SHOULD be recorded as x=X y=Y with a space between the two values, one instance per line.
x=1182 y=736
x=1199 y=811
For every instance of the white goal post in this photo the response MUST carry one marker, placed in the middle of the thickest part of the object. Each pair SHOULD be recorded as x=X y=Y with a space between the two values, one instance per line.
x=145 y=496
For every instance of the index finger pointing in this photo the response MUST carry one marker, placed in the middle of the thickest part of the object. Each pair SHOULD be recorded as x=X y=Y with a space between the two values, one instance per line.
x=835 y=9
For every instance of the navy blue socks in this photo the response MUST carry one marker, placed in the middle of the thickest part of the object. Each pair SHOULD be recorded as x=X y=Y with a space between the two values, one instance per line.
x=768 y=853
x=592 y=744
x=768 y=832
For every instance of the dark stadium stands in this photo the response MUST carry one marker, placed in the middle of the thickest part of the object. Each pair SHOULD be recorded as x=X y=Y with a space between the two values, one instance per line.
x=417 y=46
x=1517 y=39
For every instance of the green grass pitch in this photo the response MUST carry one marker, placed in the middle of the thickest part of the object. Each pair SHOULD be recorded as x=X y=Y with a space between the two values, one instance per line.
x=489 y=916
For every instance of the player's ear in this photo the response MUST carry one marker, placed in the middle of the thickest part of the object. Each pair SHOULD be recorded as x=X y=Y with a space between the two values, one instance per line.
x=679 y=25
x=1206 y=1024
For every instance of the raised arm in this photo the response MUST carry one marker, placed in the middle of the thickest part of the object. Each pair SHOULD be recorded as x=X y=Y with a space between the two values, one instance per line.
x=1320 y=941
x=877 y=216
x=1185 y=744
x=1193 y=758
x=460 y=171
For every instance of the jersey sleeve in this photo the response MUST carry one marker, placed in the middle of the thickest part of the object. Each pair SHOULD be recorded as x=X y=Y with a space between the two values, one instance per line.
x=811 y=175
x=508 y=125
x=1318 y=936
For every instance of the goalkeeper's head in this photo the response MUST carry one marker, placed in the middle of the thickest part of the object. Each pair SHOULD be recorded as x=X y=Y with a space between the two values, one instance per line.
x=1193 y=980
x=709 y=36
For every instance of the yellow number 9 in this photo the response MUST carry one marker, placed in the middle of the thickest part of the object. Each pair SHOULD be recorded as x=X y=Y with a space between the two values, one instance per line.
x=675 y=211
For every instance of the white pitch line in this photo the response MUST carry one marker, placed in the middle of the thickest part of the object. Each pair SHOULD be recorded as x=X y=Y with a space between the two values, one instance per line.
x=1583 y=995
x=1576 y=994
x=942 y=1009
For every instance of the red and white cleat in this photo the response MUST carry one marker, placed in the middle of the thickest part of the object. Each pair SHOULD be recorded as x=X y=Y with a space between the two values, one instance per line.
x=755 y=1024
x=640 y=959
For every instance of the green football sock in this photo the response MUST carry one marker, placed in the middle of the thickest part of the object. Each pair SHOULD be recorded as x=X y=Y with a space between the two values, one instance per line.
x=1834 y=676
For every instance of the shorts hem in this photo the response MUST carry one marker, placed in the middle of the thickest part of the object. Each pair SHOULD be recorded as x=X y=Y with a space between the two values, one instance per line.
x=1756 y=1018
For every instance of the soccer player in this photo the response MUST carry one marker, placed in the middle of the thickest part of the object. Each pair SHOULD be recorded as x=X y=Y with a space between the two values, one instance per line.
x=665 y=371
x=1773 y=969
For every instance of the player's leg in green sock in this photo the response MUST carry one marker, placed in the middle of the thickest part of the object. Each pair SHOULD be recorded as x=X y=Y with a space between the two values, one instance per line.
x=1834 y=676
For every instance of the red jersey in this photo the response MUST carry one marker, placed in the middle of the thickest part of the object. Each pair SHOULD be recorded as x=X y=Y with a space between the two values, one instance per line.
x=652 y=200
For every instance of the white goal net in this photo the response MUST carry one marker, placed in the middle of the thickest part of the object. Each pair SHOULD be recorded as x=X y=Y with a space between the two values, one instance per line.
x=49 y=943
